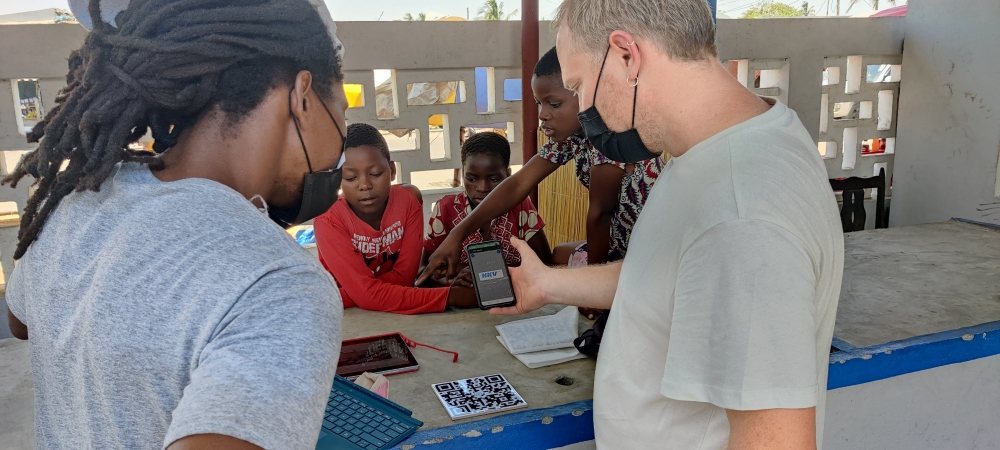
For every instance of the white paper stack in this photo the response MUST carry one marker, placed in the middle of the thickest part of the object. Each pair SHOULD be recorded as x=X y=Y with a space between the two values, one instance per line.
x=542 y=341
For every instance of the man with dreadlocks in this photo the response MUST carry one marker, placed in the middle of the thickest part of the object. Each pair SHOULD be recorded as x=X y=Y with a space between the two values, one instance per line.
x=165 y=307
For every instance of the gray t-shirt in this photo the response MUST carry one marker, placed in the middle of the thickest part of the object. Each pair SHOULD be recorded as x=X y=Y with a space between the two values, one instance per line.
x=162 y=310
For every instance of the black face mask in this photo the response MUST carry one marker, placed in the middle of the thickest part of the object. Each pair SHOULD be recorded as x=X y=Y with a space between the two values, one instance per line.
x=319 y=189
x=625 y=147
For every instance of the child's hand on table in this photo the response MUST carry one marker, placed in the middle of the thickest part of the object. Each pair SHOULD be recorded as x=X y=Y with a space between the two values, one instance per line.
x=462 y=297
x=443 y=263
x=464 y=279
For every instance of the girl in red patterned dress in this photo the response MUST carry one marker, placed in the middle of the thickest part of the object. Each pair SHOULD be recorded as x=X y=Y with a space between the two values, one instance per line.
x=486 y=163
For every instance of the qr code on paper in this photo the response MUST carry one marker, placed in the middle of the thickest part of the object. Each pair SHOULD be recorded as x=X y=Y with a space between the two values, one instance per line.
x=478 y=395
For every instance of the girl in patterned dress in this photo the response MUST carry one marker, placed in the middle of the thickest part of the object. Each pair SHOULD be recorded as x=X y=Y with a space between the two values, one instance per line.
x=485 y=164
x=617 y=191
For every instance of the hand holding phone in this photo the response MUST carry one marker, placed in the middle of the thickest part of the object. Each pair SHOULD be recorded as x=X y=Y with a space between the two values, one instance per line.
x=490 y=275
x=531 y=282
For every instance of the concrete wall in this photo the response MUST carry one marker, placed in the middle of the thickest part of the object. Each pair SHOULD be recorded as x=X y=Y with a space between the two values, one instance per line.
x=949 y=136
x=427 y=52
x=450 y=51
x=32 y=51
x=799 y=50
x=944 y=408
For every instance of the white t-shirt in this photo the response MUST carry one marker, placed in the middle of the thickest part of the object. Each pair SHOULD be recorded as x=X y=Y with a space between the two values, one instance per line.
x=728 y=293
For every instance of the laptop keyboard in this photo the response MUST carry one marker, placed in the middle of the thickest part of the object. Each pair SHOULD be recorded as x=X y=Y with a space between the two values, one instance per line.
x=361 y=424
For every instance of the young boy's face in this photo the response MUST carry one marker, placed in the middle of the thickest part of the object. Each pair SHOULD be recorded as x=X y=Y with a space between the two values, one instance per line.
x=482 y=172
x=367 y=178
x=557 y=108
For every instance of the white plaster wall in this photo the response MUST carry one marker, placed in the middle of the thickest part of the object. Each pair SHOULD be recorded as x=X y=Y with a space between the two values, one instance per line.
x=949 y=130
x=798 y=49
x=945 y=408
x=449 y=51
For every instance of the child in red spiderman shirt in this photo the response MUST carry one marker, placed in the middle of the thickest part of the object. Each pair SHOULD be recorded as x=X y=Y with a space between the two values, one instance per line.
x=371 y=239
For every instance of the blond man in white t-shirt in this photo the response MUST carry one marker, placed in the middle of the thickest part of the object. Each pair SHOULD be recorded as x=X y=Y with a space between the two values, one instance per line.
x=722 y=313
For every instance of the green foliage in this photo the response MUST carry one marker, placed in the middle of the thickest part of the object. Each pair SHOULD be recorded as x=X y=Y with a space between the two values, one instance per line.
x=771 y=9
x=493 y=10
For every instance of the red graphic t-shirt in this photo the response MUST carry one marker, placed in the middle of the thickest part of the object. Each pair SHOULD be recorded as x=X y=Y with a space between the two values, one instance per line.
x=375 y=269
x=522 y=222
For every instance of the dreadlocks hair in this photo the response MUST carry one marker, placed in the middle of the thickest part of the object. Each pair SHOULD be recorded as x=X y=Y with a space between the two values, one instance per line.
x=487 y=143
x=359 y=134
x=166 y=65
x=548 y=65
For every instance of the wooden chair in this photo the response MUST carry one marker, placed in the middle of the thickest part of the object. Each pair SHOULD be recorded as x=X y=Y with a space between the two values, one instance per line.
x=852 y=213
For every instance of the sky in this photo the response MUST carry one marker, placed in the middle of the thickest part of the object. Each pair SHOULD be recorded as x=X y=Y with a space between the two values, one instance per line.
x=395 y=9
x=348 y=9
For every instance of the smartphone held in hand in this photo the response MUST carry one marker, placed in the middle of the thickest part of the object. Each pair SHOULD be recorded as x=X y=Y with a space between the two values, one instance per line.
x=490 y=275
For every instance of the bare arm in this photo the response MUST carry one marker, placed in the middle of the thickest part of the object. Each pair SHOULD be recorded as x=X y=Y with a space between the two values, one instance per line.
x=211 y=441
x=443 y=263
x=605 y=187
x=772 y=429
x=540 y=244
x=508 y=194
x=424 y=257
x=17 y=328
x=536 y=285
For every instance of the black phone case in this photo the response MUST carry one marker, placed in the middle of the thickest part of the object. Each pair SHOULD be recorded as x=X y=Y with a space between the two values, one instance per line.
x=479 y=298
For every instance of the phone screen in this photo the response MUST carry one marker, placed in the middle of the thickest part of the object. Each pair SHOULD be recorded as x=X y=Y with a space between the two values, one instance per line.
x=489 y=274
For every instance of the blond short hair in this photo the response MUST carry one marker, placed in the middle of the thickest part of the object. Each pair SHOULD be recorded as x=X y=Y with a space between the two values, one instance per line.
x=683 y=29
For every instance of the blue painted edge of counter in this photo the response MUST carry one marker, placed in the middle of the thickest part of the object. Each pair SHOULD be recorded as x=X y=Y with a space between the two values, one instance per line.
x=573 y=422
x=853 y=366
x=543 y=428
x=841 y=344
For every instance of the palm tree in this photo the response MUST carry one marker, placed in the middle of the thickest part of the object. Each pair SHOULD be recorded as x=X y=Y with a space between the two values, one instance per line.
x=420 y=17
x=807 y=10
x=493 y=10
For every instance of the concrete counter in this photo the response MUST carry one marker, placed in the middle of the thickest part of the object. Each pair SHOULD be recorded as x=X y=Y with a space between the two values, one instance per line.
x=914 y=281
x=471 y=333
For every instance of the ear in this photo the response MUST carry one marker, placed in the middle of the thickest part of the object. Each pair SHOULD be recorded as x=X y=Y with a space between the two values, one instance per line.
x=508 y=170
x=299 y=103
x=625 y=48
x=392 y=169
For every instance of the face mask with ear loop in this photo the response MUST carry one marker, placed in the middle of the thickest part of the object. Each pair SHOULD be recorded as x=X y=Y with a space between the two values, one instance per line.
x=625 y=147
x=319 y=189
